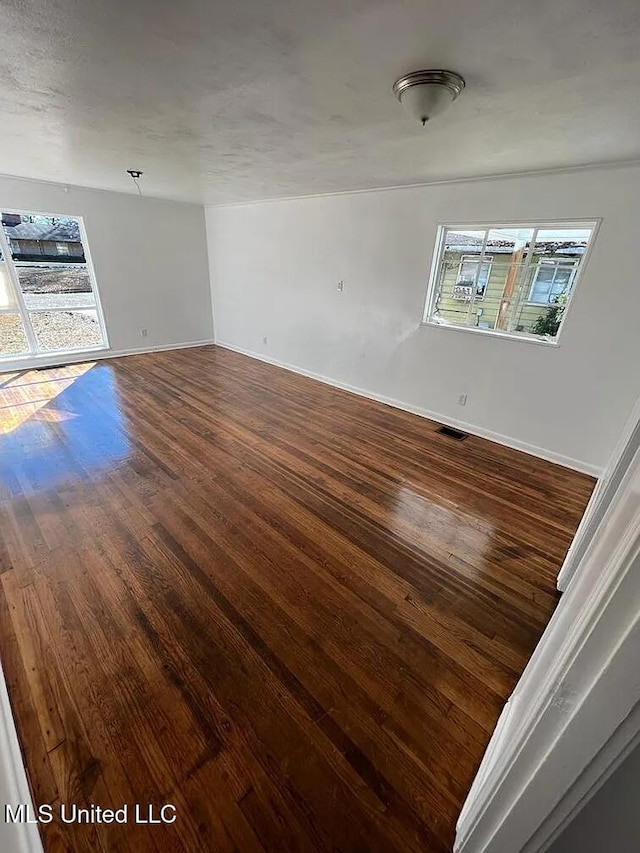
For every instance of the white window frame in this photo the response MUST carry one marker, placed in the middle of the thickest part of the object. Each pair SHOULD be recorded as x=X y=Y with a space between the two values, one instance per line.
x=536 y=225
x=35 y=355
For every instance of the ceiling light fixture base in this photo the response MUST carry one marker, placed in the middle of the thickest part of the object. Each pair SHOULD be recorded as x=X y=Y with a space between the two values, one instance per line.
x=425 y=94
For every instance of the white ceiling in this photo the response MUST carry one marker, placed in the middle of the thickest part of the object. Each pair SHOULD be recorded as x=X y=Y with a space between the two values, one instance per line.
x=233 y=100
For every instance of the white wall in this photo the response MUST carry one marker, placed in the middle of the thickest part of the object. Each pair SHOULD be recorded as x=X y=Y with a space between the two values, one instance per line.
x=611 y=820
x=150 y=259
x=275 y=267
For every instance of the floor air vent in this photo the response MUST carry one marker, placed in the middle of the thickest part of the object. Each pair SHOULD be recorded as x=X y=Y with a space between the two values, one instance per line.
x=450 y=432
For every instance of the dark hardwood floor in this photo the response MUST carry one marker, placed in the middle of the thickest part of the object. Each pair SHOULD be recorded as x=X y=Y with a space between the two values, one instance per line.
x=291 y=612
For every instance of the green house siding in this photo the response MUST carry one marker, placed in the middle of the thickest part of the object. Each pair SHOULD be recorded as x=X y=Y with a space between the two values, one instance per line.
x=484 y=311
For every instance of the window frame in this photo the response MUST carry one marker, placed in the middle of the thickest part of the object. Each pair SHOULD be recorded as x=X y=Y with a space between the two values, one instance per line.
x=535 y=224
x=35 y=354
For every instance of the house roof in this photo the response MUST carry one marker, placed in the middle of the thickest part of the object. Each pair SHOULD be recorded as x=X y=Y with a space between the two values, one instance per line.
x=63 y=230
x=466 y=243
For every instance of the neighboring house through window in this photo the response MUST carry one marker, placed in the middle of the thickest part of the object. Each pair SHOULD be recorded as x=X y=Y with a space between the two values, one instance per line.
x=514 y=280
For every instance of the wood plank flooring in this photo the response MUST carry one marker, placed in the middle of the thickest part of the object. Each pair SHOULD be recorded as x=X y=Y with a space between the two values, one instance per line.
x=293 y=613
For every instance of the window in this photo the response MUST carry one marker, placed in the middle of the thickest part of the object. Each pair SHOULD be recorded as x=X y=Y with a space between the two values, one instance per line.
x=551 y=280
x=468 y=275
x=48 y=297
x=512 y=280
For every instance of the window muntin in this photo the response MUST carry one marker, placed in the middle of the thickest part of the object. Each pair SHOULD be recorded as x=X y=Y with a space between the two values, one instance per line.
x=49 y=294
x=7 y=296
x=509 y=280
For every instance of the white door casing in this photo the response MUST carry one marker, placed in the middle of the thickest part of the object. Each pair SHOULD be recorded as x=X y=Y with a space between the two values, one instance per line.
x=575 y=712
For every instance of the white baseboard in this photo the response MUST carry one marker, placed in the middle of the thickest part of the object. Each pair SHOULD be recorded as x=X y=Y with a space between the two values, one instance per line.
x=481 y=432
x=53 y=359
x=14 y=788
x=501 y=736
x=161 y=348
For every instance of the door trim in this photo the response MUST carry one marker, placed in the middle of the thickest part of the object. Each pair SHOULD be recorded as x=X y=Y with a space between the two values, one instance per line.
x=606 y=487
x=574 y=713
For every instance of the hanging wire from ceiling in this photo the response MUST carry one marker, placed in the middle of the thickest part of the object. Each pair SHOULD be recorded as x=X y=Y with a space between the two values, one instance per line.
x=136 y=174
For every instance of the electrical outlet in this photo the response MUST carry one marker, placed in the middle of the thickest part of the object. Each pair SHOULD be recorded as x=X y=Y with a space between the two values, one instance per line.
x=264 y=340
x=340 y=286
x=143 y=333
x=462 y=400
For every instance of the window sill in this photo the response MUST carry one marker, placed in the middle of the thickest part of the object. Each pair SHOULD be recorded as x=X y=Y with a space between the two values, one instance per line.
x=543 y=305
x=31 y=359
x=510 y=336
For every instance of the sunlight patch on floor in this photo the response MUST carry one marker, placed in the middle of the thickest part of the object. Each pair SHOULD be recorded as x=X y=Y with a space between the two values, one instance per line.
x=24 y=395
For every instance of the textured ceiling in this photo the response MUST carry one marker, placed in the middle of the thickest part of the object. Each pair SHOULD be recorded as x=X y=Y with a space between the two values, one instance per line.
x=234 y=100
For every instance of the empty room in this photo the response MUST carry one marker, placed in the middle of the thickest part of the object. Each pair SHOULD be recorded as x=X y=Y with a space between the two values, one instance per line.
x=319 y=426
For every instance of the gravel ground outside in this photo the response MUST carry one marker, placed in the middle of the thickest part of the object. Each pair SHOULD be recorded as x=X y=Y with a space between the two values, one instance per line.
x=13 y=340
x=54 y=330
x=50 y=288
x=71 y=279
x=66 y=330
x=58 y=300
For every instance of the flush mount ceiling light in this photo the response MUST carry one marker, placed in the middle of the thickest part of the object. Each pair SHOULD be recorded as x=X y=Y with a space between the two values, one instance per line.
x=425 y=94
